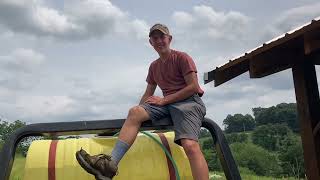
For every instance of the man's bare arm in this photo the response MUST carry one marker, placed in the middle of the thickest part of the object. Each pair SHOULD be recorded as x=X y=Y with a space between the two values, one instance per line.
x=191 y=88
x=149 y=92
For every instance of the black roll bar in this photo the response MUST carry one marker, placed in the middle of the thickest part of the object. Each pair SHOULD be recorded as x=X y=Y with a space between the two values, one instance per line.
x=109 y=127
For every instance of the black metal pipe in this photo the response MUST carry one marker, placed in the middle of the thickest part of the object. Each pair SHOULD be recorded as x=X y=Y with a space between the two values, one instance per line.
x=224 y=153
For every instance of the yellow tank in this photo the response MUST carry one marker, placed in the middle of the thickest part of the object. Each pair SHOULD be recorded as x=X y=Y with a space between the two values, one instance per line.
x=145 y=160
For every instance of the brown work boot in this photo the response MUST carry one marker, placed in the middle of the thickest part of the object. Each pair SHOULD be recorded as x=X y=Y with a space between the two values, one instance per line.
x=101 y=165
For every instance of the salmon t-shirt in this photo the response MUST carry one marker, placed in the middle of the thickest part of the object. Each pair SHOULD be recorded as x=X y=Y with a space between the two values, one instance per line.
x=169 y=74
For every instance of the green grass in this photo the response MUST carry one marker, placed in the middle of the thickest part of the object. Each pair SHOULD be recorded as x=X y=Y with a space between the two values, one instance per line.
x=18 y=168
x=221 y=176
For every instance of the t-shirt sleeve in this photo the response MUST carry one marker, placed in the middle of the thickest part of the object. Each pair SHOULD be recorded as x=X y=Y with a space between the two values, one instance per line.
x=187 y=64
x=150 y=78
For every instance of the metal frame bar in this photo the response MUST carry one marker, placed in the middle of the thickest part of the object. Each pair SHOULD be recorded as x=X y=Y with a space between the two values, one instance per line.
x=109 y=127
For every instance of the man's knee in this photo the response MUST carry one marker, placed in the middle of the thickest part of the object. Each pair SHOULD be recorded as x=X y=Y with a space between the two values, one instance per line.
x=138 y=114
x=191 y=147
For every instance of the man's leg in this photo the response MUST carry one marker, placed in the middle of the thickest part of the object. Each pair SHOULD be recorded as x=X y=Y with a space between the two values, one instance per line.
x=187 y=116
x=128 y=132
x=199 y=166
x=104 y=166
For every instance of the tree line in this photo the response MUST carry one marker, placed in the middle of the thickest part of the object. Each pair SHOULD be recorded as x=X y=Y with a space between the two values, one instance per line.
x=267 y=143
x=284 y=113
x=7 y=128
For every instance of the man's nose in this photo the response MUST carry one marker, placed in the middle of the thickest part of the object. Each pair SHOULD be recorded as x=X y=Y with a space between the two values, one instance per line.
x=158 y=40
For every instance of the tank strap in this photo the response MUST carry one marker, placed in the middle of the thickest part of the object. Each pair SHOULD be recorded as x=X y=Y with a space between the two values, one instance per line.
x=170 y=165
x=52 y=160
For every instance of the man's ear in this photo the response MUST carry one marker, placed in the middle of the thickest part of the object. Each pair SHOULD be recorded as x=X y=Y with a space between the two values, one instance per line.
x=150 y=42
x=170 y=38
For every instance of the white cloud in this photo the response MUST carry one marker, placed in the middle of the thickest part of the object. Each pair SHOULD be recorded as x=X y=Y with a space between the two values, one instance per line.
x=21 y=60
x=89 y=80
x=89 y=105
x=205 y=23
x=18 y=68
x=211 y=36
x=293 y=18
x=79 y=20
x=183 y=19
x=296 y=16
x=33 y=17
x=44 y=106
x=139 y=28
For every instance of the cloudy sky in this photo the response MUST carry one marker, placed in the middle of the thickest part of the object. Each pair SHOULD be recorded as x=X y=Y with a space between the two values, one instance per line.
x=81 y=60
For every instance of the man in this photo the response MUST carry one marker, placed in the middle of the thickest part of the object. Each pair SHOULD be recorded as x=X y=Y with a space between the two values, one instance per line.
x=175 y=73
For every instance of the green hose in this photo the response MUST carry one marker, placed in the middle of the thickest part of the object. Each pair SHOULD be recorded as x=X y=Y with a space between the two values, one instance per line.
x=164 y=149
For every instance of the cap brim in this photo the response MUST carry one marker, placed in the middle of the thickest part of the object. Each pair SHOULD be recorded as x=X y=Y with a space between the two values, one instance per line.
x=158 y=30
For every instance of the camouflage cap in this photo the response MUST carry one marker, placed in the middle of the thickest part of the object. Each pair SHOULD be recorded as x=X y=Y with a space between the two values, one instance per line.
x=161 y=27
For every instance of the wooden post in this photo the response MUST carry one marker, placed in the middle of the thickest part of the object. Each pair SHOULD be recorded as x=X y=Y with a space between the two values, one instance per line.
x=308 y=104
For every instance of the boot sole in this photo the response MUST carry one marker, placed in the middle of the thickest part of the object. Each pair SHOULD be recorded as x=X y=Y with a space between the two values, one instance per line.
x=86 y=166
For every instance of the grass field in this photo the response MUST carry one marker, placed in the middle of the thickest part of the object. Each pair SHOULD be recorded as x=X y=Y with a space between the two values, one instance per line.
x=220 y=176
x=18 y=168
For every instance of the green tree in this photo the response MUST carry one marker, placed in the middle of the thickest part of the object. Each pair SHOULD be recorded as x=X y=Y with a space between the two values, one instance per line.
x=207 y=143
x=210 y=154
x=3 y=127
x=1 y=144
x=281 y=113
x=6 y=129
x=273 y=137
x=212 y=159
x=256 y=159
x=292 y=161
x=239 y=123
x=237 y=137
x=204 y=133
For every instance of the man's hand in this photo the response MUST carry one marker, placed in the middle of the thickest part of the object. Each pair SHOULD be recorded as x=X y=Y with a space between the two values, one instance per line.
x=156 y=100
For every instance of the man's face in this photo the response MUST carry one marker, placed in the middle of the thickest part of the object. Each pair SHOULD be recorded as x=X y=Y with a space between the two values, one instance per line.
x=160 y=42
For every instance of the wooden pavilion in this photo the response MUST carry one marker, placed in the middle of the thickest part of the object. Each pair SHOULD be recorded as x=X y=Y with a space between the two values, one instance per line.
x=298 y=49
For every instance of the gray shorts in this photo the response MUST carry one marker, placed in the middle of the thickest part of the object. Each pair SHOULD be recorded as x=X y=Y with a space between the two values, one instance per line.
x=187 y=116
